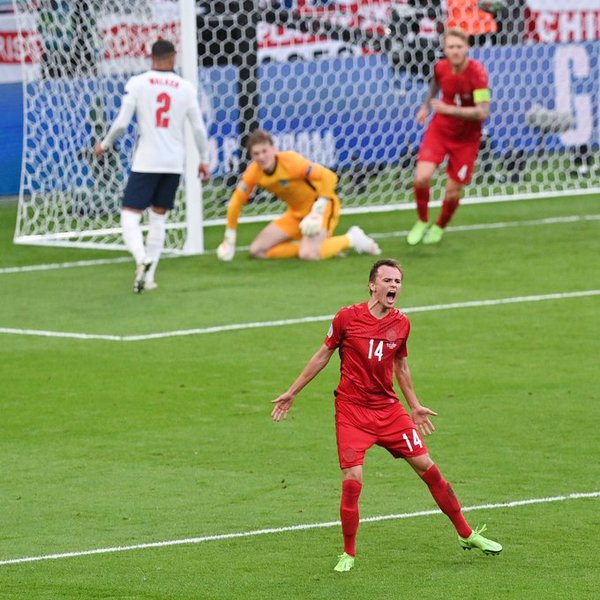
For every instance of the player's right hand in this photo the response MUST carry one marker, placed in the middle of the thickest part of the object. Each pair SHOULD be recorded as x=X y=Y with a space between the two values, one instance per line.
x=283 y=403
x=422 y=114
x=226 y=249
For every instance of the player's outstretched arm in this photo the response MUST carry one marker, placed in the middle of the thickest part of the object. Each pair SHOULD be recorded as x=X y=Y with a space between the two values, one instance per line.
x=226 y=249
x=315 y=365
x=419 y=414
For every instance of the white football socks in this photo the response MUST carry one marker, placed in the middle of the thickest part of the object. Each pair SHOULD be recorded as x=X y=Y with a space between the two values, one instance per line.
x=132 y=234
x=155 y=240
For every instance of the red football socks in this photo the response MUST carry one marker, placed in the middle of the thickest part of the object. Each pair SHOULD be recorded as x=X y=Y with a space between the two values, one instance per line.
x=422 y=200
x=443 y=494
x=448 y=209
x=349 y=513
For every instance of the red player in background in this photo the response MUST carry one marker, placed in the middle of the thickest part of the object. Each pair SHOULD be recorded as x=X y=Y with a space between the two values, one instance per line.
x=454 y=132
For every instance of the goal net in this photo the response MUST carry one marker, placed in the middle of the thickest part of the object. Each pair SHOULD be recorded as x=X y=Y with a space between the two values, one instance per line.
x=77 y=57
x=338 y=81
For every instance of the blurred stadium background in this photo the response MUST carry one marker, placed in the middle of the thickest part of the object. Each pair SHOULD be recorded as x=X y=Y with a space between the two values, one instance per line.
x=336 y=81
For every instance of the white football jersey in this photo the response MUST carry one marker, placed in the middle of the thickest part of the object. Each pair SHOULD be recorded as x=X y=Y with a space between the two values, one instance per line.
x=161 y=101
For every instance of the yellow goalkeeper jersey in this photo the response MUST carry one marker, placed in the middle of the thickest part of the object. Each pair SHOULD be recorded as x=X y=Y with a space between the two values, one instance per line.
x=295 y=181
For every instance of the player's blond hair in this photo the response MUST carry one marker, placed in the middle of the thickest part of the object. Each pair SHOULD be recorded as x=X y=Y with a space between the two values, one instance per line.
x=258 y=136
x=456 y=32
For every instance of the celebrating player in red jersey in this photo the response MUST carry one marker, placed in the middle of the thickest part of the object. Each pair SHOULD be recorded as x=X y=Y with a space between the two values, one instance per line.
x=371 y=338
x=454 y=131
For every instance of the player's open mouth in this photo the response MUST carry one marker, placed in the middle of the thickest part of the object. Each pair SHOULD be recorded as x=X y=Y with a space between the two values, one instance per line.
x=391 y=296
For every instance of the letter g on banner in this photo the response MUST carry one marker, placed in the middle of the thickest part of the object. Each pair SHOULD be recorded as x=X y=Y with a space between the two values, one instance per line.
x=573 y=62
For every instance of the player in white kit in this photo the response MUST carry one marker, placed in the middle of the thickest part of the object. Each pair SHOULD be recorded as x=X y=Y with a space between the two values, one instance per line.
x=162 y=102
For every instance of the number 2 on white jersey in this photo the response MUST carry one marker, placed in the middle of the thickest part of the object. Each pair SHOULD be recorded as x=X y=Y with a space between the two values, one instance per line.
x=378 y=352
x=164 y=104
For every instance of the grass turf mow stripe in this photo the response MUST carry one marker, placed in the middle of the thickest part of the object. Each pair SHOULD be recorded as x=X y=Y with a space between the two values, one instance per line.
x=303 y=527
x=383 y=235
x=282 y=322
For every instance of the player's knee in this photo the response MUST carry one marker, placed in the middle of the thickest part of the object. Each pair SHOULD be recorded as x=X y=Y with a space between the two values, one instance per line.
x=421 y=181
x=352 y=474
x=421 y=464
x=256 y=250
x=309 y=253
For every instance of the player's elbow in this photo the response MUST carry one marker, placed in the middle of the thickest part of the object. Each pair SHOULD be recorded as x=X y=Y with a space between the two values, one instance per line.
x=329 y=182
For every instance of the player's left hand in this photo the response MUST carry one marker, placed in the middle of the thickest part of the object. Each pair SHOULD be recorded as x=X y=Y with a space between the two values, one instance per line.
x=441 y=108
x=283 y=403
x=420 y=417
x=98 y=149
x=312 y=223
x=204 y=171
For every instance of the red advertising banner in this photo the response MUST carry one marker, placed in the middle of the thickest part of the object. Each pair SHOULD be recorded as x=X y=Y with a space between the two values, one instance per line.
x=579 y=20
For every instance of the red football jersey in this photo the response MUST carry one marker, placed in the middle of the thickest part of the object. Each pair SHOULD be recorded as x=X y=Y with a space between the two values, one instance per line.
x=457 y=89
x=368 y=347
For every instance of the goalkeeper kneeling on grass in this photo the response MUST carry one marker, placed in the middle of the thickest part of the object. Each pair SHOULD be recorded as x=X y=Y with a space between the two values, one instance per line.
x=306 y=229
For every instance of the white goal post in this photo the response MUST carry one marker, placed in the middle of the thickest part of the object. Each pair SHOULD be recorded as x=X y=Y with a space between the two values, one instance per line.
x=339 y=82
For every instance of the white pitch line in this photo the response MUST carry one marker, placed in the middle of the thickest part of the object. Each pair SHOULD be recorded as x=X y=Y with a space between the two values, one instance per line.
x=283 y=322
x=501 y=225
x=381 y=235
x=63 y=334
x=303 y=527
x=65 y=265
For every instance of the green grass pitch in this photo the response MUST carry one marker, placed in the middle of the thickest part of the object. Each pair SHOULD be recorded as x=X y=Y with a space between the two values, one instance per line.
x=121 y=443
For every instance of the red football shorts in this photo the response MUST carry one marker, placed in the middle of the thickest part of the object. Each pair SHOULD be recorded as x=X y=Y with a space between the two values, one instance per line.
x=358 y=428
x=461 y=154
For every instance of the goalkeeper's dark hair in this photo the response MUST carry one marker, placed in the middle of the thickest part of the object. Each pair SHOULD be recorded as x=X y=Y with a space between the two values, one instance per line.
x=162 y=49
x=259 y=136
x=385 y=262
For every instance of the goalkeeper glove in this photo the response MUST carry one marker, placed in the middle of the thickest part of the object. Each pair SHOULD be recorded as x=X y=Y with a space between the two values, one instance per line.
x=312 y=223
x=226 y=249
